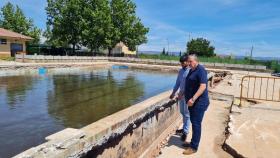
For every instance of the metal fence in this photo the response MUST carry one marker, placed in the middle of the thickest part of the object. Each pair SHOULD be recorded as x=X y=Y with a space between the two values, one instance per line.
x=260 y=88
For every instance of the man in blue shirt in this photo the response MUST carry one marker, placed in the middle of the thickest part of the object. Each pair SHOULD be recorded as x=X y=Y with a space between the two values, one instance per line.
x=196 y=95
x=180 y=83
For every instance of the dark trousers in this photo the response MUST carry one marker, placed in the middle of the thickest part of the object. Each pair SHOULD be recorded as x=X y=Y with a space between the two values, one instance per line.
x=196 y=116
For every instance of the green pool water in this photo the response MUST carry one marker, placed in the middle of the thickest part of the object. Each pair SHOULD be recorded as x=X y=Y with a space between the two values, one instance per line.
x=33 y=106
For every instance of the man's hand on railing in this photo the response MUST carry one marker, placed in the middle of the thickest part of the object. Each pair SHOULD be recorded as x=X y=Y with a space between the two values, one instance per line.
x=171 y=96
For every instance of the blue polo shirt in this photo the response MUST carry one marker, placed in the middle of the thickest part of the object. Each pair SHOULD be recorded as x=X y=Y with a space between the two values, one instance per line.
x=193 y=81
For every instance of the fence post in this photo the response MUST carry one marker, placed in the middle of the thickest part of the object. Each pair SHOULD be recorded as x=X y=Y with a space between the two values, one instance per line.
x=241 y=92
x=212 y=81
x=23 y=57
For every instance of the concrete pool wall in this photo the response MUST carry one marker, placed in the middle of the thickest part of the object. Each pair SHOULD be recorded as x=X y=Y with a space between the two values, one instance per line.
x=50 y=59
x=127 y=133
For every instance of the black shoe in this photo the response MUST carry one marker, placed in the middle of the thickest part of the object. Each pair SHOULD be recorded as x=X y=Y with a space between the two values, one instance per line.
x=183 y=137
x=186 y=144
x=179 y=131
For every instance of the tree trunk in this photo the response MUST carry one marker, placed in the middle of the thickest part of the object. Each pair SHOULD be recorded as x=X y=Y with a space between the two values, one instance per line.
x=73 y=48
x=95 y=51
x=91 y=51
x=110 y=51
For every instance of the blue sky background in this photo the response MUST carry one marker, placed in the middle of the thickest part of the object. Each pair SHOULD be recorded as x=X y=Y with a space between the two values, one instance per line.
x=232 y=26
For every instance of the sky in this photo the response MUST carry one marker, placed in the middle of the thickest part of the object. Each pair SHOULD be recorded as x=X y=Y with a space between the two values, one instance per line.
x=232 y=26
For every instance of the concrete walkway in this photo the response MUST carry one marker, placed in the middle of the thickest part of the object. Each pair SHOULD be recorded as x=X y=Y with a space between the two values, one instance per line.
x=254 y=129
x=213 y=136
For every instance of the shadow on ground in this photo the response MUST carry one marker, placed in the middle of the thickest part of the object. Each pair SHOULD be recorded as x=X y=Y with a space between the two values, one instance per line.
x=175 y=140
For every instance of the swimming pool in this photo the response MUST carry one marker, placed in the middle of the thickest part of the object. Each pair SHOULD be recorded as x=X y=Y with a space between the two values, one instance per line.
x=33 y=106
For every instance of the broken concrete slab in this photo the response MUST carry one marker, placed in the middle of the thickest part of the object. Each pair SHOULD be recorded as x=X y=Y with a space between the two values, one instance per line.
x=255 y=131
x=64 y=134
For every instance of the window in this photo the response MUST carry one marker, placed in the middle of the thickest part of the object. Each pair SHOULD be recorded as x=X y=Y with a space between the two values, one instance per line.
x=3 y=41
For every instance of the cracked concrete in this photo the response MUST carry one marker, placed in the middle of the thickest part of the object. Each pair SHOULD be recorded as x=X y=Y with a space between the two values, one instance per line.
x=255 y=131
x=254 y=128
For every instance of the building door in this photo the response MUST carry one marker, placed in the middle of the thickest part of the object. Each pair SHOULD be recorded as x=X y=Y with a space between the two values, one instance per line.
x=16 y=47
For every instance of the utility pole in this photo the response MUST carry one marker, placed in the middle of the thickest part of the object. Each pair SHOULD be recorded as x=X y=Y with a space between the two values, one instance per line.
x=167 y=45
x=251 y=55
x=137 y=51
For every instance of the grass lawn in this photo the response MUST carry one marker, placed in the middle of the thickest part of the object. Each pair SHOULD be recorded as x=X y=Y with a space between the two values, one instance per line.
x=274 y=65
x=7 y=58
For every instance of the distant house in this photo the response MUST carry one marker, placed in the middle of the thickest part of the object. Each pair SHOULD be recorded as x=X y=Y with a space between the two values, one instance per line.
x=12 y=42
x=120 y=49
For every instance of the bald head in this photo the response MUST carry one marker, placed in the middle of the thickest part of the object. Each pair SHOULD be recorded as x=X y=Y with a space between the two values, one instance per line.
x=193 y=61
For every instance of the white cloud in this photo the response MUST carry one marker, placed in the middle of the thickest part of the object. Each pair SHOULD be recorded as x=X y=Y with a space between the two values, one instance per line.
x=258 y=26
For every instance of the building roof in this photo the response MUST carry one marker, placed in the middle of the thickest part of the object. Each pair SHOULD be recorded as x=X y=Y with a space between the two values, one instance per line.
x=120 y=44
x=11 y=34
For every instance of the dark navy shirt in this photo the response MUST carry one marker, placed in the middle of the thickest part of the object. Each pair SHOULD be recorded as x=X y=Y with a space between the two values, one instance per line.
x=193 y=81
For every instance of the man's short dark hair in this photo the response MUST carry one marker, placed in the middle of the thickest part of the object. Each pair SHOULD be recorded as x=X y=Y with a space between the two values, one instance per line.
x=183 y=58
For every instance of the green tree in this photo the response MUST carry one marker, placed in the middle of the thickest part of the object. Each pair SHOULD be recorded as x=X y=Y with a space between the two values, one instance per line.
x=163 y=51
x=201 y=47
x=64 y=22
x=50 y=40
x=13 y=18
x=97 y=24
x=94 y=24
x=127 y=27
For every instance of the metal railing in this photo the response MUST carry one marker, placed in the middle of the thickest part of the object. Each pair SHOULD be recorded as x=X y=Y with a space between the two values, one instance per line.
x=260 y=88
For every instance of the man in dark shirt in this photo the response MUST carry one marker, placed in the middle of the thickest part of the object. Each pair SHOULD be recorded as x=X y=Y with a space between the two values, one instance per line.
x=196 y=95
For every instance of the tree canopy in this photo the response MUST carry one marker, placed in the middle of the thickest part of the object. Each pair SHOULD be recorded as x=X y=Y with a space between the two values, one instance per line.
x=13 y=18
x=163 y=52
x=128 y=28
x=97 y=25
x=200 y=47
x=94 y=24
x=64 y=22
